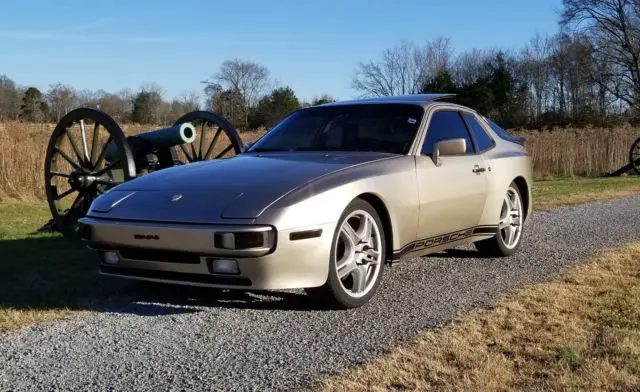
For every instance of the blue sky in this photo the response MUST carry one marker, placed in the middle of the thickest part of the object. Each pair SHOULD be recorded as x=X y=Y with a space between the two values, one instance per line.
x=312 y=46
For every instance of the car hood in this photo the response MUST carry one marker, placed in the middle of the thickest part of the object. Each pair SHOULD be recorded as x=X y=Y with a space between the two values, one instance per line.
x=241 y=187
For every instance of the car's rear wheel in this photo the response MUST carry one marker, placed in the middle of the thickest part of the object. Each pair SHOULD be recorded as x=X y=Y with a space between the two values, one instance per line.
x=507 y=240
x=357 y=258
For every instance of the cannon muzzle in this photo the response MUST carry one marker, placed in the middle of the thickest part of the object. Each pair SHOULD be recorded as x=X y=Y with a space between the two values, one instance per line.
x=146 y=142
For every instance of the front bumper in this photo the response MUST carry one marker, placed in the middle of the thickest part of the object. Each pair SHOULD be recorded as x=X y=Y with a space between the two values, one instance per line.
x=183 y=253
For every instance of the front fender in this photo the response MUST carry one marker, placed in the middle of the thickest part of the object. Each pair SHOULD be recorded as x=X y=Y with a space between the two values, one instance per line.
x=322 y=201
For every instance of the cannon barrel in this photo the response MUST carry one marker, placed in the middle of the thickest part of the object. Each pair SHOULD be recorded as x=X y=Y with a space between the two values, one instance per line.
x=146 y=142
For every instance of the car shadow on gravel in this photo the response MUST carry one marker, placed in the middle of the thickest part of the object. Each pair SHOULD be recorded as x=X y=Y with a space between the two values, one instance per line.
x=49 y=273
x=45 y=272
x=159 y=299
x=459 y=254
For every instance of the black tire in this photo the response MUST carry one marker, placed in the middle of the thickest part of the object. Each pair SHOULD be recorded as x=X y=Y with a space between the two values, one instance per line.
x=495 y=246
x=332 y=294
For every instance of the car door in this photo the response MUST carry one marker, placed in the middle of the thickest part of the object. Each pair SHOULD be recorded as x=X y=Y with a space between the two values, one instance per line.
x=452 y=195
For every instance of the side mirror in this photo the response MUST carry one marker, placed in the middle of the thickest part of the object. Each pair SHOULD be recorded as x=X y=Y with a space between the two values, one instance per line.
x=448 y=147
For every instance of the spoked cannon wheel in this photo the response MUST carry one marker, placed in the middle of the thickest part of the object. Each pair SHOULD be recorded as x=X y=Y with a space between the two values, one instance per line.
x=77 y=166
x=216 y=138
x=634 y=156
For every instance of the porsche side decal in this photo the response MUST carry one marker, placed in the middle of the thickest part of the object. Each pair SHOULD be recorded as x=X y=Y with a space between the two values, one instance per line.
x=443 y=239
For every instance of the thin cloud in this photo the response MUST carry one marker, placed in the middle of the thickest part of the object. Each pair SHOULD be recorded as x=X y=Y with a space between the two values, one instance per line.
x=89 y=26
x=34 y=35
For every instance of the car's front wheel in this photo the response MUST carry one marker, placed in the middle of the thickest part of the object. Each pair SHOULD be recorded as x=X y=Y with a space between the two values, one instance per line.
x=509 y=236
x=357 y=258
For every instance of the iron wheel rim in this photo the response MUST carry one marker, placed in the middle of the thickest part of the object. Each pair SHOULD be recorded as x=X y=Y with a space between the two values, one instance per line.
x=82 y=171
x=208 y=123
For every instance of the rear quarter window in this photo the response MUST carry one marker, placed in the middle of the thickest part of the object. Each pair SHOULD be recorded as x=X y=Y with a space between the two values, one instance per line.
x=502 y=134
x=483 y=141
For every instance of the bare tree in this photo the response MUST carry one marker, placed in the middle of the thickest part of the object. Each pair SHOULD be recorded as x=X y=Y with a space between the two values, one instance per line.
x=118 y=106
x=9 y=99
x=613 y=28
x=402 y=69
x=248 y=80
x=61 y=99
x=212 y=91
x=536 y=69
x=189 y=101
x=437 y=56
x=471 y=65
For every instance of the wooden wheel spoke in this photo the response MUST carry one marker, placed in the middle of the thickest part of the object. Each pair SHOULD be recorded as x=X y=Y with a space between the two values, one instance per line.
x=95 y=142
x=204 y=122
x=226 y=150
x=103 y=154
x=68 y=158
x=186 y=154
x=65 y=194
x=193 y=152
x=60 y=174
x=77 y=201
x=107 y=168
x=83 y=134
x=74 y=146
x=213 y=143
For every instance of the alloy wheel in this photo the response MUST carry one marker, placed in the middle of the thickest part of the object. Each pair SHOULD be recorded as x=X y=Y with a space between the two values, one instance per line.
x=358 y=253
x=510 y=225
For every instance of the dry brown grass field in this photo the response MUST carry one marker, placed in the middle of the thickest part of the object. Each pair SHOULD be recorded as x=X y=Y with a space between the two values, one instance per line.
x=578 y=332
x=559 y=153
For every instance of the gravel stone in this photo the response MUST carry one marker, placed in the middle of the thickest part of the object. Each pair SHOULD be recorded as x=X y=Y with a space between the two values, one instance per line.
x=210 y=340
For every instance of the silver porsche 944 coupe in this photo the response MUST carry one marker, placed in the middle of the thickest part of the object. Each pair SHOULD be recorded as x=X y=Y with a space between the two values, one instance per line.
x=323 y=201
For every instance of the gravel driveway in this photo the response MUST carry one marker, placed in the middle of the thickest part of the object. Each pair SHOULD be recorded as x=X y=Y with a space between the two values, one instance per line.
x=191 y=339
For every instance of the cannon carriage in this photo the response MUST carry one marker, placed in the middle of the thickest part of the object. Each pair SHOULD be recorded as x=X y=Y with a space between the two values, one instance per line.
x=634 y=156
x=89 y=153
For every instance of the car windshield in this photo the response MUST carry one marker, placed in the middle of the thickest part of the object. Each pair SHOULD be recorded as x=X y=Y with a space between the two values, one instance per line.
x=388 y=128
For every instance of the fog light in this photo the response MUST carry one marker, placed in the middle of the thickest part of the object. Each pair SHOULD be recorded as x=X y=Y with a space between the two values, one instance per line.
x=224 y=266
x=111 y=258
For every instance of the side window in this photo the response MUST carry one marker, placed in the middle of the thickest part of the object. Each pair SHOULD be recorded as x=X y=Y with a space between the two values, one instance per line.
x=445 y=125
x=483 y=141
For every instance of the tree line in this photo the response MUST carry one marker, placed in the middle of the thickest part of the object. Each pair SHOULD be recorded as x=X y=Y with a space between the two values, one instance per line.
x=586 y=73
x=241 y=91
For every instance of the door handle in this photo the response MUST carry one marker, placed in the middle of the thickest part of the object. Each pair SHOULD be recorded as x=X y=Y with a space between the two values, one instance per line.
x=477 y=169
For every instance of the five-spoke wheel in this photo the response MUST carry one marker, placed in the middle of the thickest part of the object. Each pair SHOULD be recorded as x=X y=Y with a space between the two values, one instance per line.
x=509 y=234
x=510 y=225
x=357 y=257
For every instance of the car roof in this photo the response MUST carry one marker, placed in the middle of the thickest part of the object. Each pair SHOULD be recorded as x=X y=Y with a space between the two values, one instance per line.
x=414 y=99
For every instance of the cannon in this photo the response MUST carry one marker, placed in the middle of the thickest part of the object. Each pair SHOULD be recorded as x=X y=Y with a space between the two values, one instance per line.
x=634 y=156
x=89 y=153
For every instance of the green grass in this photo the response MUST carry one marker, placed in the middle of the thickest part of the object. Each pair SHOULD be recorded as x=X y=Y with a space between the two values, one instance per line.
x=559 y=192
x=44 y=276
